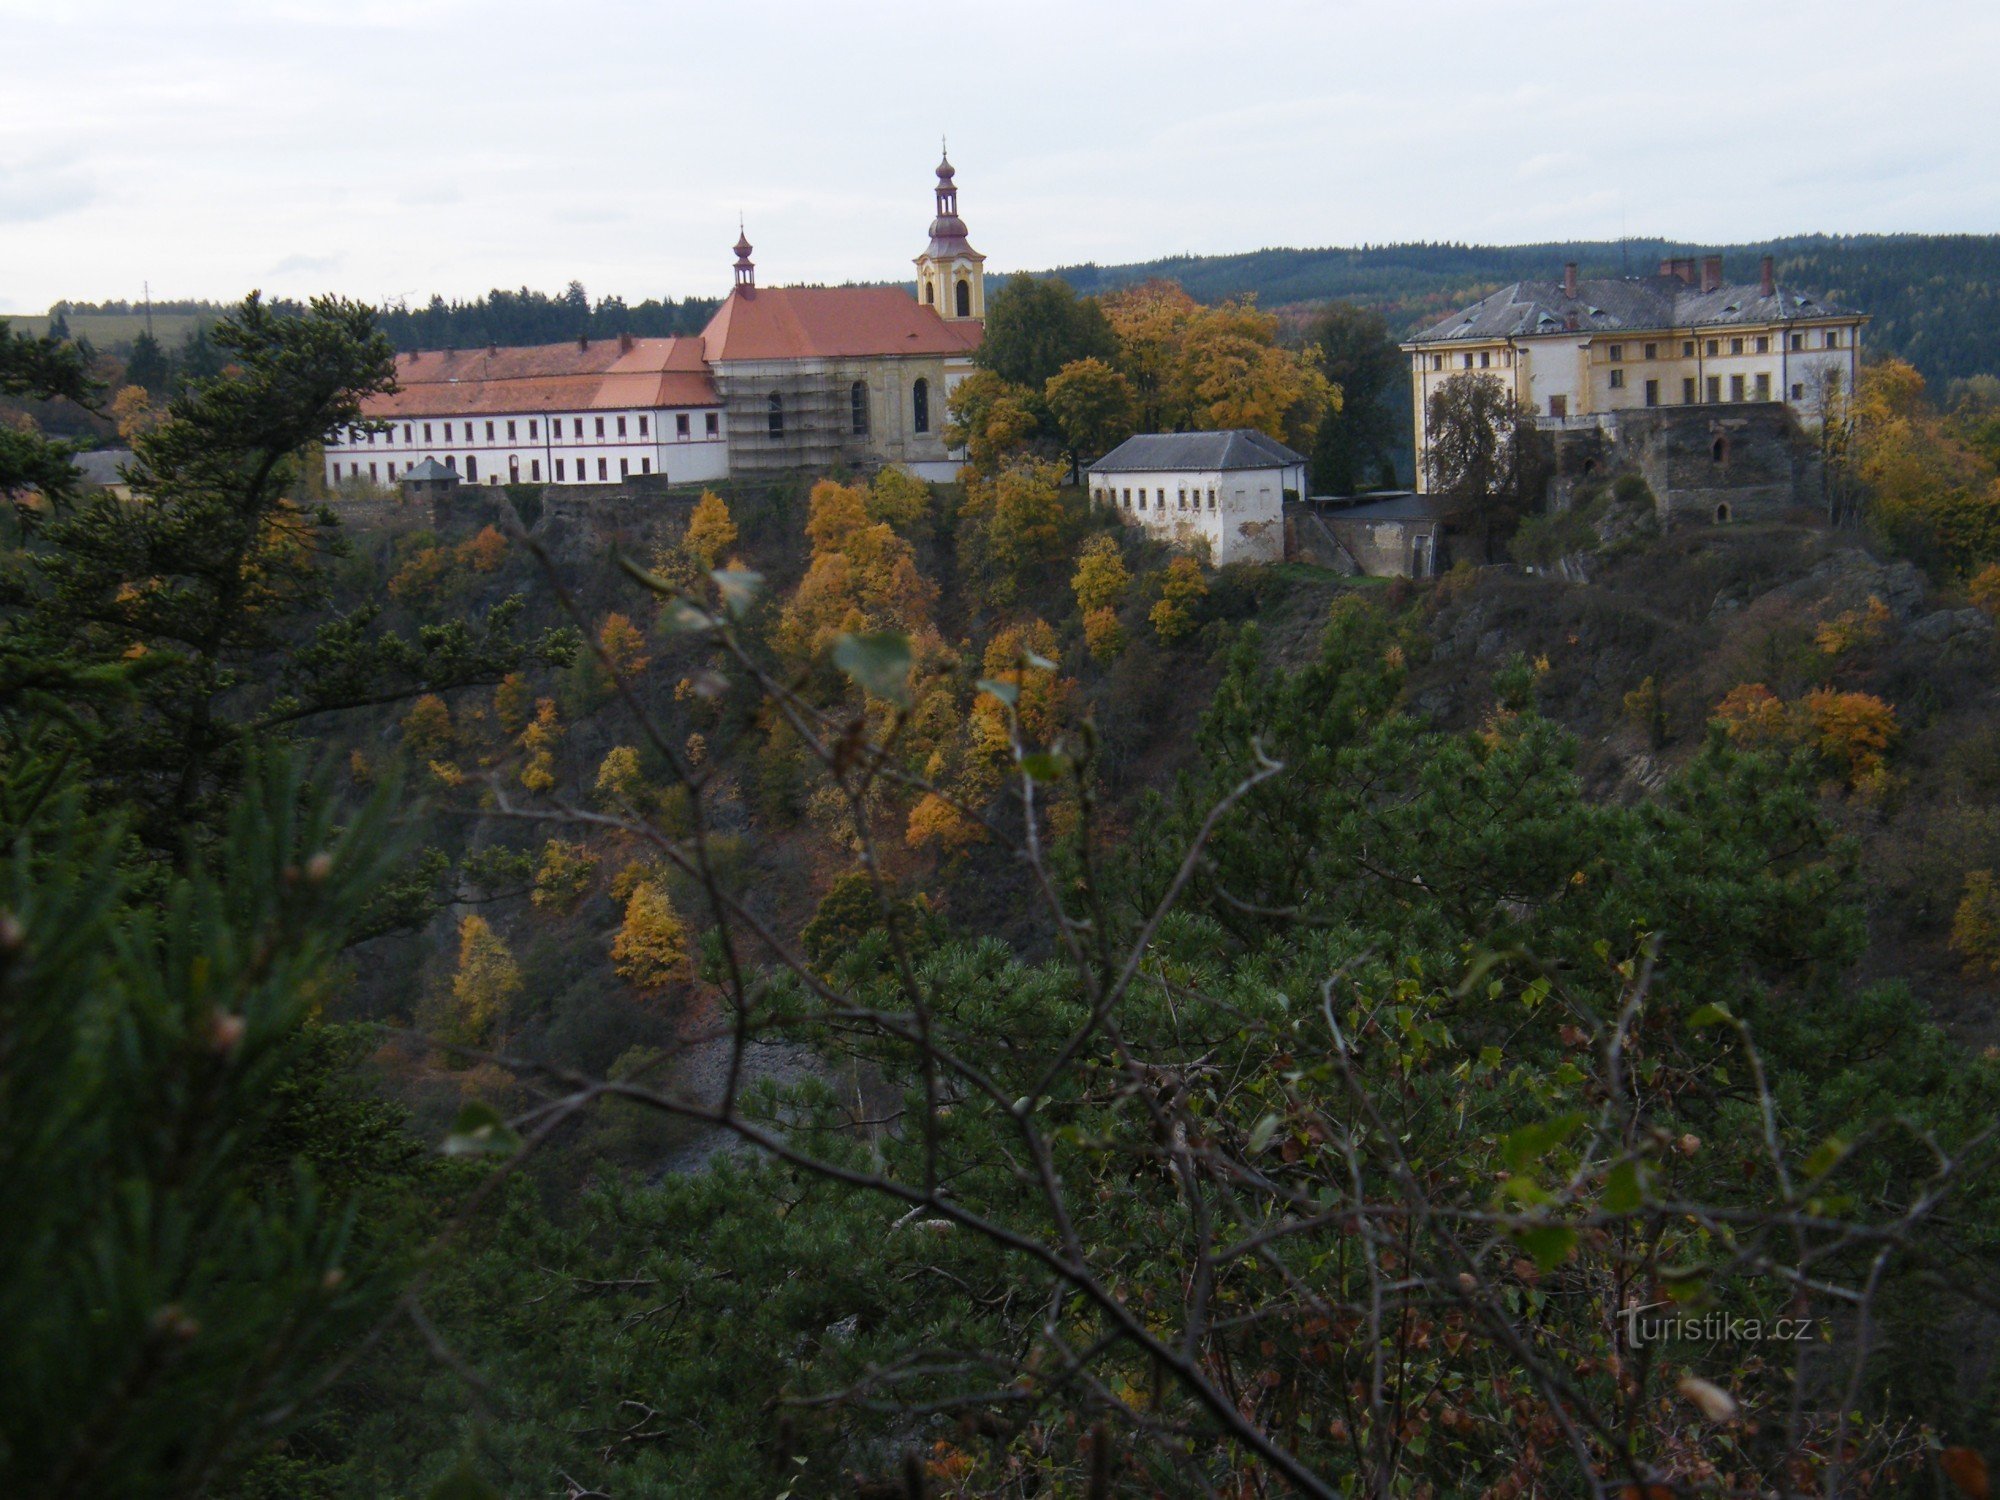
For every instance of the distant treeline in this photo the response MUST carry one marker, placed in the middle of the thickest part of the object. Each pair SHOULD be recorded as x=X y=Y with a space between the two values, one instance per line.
x=499 y=317
x=1935 y=299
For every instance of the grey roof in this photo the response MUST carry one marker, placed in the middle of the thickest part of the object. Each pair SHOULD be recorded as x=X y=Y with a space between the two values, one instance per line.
x=100 y=466
x=1404 y=507
x=1238 y=448
x=428 y=468
x=1633 y=303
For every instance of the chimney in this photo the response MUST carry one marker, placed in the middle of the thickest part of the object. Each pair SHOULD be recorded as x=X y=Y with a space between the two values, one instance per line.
x=583 y=341
x=624 y=343
x=1766 y=283
x=1711 y=272
x=1569 y=278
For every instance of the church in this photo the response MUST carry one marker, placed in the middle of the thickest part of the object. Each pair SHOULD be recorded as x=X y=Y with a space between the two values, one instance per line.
x=782 y=378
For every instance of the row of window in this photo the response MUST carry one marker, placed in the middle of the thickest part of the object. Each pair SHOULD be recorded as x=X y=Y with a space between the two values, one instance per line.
x=683 y=430
x=1741 y=388
x=1105 y=495
x=1756 y=344
x=513 y=470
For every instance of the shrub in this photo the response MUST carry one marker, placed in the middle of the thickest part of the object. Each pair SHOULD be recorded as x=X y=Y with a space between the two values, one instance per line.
x=564 y=876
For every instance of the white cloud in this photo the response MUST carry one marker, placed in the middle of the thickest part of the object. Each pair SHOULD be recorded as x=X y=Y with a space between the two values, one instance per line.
x=372 y=146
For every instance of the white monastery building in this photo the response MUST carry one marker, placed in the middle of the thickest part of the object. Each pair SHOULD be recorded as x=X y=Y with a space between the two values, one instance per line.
x=1224 y=488
x=781 y=378
x=1579 y=352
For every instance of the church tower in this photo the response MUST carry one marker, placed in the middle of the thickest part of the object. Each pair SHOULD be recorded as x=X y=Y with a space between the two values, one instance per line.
x=951 y=275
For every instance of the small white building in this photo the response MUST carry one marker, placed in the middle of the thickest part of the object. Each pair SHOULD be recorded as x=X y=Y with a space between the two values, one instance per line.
x=1225 y=488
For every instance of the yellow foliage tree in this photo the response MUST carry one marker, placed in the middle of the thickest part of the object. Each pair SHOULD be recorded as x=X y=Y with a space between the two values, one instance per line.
x=863 y=576
x=624 y=645
x=1101 y=575
x=540 y=739
x=1181 y=594
x=133 y=410
x=427 y=728
x=564 y=875
x=485 y=552
x=991 y=419
x=620 y=783
x=900 y=500
x=1850 y=732
x=1931 y=491
x=486 y=983
x=651 y=948
x=513 y=702
x=1103 y=635
x=1853 y=627
x=711 y=531
x=934 y=821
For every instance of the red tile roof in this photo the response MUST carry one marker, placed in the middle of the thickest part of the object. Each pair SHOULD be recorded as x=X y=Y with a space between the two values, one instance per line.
x=548 y=377
x=831 y=322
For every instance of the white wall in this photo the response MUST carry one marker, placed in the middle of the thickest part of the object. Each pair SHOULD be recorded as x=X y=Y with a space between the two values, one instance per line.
x=1246 y=523
x=537 y=443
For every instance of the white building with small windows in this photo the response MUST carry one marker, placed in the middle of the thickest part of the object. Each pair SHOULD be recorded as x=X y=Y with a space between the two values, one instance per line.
x=1579 y=352
x=1226 y=489
x=597 y=411
x=782 y=378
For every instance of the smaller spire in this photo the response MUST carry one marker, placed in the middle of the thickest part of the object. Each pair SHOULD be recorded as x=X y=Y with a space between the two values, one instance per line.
x=746 y=271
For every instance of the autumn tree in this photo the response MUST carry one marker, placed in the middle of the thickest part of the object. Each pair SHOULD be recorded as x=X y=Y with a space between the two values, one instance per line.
x=991 y=419
x=1150 y=321
x=651 y=947
x=624 y=646
x=513 y=702
x=564 y=875
x=134 y=412
x=1020 y=521
x=1101 y=575
x=427 y=728
x=620 y=781
x=540 y=739
x=710 y=531
x=863 y=576
x=1934 y=495
x=486 y=984
x=1183 y=588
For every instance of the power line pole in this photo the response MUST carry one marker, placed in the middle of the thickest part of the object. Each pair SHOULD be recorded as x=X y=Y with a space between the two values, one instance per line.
x=149 y=307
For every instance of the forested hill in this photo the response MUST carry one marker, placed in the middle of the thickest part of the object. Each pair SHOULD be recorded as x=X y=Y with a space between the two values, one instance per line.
x=1933 y=297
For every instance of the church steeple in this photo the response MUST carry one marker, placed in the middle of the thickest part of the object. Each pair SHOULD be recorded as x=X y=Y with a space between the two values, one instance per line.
x=951 y=275
x=746 y=271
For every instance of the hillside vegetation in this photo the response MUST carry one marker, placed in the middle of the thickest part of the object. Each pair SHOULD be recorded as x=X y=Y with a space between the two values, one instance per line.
x=851 y=987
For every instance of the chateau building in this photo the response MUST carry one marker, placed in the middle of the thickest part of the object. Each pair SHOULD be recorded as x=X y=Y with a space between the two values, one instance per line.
x=1225 y=488
x=1580 y=353
x=781 y=378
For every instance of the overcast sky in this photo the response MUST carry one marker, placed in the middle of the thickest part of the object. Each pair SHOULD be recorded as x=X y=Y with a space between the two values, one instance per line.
x=395 y=148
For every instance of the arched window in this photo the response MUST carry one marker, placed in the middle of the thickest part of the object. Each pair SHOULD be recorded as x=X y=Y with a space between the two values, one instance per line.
x=930 y=294
x=964 y=298
x=471 y=467
x=1722 y=512
x=774 y=415
x=857 y=400
x=1719 y=450
x=920 y=406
